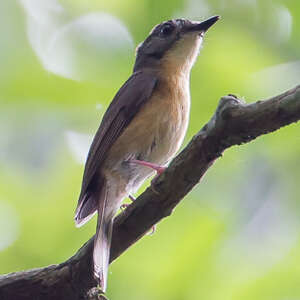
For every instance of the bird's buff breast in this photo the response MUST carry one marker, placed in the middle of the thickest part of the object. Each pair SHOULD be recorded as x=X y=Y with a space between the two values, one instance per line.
x=154 y=135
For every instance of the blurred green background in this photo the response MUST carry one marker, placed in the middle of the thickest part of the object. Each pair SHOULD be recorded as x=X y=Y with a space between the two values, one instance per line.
x=236 y=236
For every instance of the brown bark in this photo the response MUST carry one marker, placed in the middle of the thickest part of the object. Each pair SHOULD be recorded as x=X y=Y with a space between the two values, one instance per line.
x=233 y=123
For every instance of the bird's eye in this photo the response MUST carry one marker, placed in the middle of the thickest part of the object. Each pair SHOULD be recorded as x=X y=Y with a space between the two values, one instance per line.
x=167 y=29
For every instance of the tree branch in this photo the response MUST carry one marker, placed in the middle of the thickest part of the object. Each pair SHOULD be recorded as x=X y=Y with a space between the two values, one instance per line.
x=233 y=123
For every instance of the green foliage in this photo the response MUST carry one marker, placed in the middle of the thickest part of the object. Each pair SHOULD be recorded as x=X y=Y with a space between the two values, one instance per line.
x=236 y=236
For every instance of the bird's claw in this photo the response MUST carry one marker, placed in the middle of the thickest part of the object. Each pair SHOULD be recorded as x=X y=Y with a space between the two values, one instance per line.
x=125 y=205
x=153 y=229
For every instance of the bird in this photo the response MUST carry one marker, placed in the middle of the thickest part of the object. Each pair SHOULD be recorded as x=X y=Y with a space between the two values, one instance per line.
x=142 y=129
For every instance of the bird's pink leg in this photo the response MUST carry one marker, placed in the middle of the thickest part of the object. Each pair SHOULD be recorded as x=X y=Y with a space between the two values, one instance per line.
x=159 y=169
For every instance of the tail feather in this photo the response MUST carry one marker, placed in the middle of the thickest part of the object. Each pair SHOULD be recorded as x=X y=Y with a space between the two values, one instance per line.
x=102 y=252
x=88 y=205
x=102 y=240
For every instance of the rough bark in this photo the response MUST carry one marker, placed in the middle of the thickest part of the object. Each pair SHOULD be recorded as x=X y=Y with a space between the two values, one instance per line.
x=233 y=123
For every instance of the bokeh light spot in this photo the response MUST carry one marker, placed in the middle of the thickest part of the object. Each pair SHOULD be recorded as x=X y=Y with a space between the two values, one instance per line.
x=81 y=48
x=79 y=144
x=9 y=225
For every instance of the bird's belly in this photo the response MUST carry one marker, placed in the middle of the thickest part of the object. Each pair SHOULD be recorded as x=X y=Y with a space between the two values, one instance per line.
x=167 y=139
x=154 y=135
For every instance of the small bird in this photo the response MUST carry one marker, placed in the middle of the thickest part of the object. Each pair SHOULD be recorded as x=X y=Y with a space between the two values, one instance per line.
x=141 y=130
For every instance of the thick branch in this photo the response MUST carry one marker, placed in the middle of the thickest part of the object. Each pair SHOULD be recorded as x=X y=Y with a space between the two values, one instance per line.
x=233 y=123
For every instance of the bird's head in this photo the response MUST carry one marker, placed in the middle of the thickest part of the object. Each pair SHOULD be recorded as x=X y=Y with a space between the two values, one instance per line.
x=173 y=44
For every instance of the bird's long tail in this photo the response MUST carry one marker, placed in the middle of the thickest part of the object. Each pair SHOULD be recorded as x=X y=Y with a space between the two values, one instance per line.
x=102 y=240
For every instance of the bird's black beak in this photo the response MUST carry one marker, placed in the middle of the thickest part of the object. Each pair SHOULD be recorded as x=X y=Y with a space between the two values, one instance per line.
x=202 y=26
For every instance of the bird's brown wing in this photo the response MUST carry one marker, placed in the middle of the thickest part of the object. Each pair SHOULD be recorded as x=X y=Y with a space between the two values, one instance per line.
x=127 y=102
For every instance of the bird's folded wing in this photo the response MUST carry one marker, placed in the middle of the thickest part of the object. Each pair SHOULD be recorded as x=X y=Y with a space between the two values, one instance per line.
x=127 y=102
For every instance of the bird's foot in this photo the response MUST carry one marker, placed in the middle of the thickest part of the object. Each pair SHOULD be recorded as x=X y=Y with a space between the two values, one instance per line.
x=131 y=198
x=96 y=293
x=153 y=229
x=125 y=205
